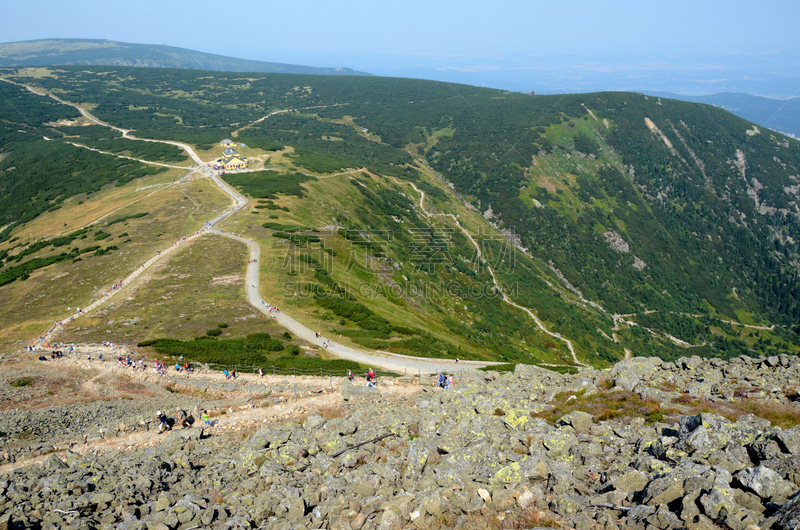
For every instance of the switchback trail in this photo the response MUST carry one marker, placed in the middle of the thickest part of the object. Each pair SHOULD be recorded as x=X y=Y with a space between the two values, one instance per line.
x=497 y=287
x=401 y=364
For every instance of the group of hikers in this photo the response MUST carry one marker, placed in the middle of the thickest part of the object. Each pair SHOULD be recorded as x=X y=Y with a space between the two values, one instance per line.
x=182 y=419
x=130 y=363
x=369 y=375
x=48 y=346
x=56 y=355
x=113 y=288
x=444 y=381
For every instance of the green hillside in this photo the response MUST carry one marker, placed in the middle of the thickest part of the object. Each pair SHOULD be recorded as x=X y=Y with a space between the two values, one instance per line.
x=643 y=224
x=777 y=114
x=49 y=52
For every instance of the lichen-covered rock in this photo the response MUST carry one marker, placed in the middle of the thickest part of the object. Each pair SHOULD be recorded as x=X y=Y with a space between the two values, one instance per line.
x=579 y=420
x=479 y=450
x=788 y=516
x=351 y=392
x=789 y=440
x=664 y=490
x=765 y=482
x=720 y=497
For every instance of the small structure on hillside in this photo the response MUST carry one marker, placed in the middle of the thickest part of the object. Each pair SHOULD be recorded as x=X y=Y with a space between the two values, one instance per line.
x=234 y=162
x=226 y=143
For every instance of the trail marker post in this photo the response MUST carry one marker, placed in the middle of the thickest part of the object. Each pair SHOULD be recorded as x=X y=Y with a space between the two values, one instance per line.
x=8 y=450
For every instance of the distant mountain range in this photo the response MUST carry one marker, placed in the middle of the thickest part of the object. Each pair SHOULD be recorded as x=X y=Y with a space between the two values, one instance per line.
x=779 y=114
x=49 y=52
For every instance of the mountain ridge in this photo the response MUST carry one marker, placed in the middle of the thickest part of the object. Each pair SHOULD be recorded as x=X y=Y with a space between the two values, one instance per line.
x=50 y=52
x=781 y=115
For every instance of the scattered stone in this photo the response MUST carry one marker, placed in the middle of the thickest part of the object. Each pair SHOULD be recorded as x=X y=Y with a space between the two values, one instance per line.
x=478 y=450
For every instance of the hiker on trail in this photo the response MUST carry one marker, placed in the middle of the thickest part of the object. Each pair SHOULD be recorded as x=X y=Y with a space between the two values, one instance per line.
x=371 y=378
x=233 y=373
x=227 y=375
x=448 y=383
x=350 y=375
x=260 y=372
x=206 y=419
x=183 y=419
x=177 y=367
x=441 y=380
x=163 y=423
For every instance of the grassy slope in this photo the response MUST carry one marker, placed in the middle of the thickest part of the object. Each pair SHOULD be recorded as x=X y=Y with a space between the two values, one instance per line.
x=28 y=307
x=194 y=290
x=490 y=160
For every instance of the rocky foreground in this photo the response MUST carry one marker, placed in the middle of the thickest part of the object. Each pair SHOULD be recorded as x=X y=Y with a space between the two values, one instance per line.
x=485 y=454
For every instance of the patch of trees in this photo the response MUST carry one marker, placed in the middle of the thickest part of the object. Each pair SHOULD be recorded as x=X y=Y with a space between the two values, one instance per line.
x=266 y=184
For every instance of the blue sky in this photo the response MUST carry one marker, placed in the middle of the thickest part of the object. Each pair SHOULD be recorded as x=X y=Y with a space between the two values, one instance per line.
x=527 y=40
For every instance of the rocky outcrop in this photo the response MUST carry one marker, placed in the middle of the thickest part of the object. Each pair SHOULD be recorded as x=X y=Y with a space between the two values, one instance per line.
x=478 y=455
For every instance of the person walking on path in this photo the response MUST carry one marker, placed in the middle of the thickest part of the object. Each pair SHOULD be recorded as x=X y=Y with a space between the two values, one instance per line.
x=163 y=423
x=206 y=419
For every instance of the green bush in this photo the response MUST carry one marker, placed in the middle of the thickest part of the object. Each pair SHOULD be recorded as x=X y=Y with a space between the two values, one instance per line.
x=126 y=218
x=266 y=184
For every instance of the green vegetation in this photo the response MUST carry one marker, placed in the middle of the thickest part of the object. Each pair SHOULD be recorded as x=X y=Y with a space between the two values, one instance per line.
x=23 y=271
x=25 y=381
x=265 y=184
x=247 y=353
x=674 y=234
x=606 y=406
x=126 y=218
x=37 y=175
x=149 y=151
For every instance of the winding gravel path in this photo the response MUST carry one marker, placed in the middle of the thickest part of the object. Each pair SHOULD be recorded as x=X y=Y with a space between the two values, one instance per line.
x=387 y=361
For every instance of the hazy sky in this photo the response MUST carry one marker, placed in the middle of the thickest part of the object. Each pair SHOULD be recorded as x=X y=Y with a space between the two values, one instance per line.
x=464 y=35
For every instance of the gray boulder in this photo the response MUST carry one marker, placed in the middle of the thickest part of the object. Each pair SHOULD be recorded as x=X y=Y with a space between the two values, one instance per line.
x=579 y=420
x=789 y=440
x=787 y=517
x=352 y=392
x=629 y=373
x=764 y=482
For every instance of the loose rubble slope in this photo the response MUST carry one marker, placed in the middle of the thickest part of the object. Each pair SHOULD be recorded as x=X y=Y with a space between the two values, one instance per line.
x=485 y=454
